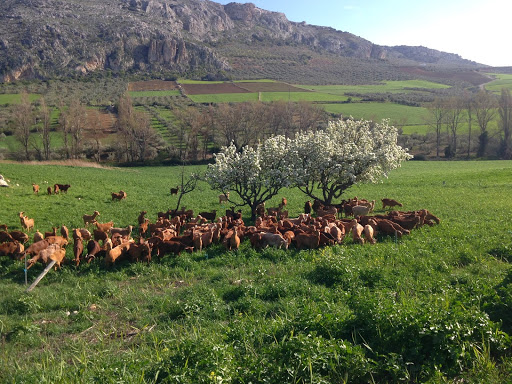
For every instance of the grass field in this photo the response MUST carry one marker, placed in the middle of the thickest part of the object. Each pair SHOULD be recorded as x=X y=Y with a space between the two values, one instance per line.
x=431 y=307
x=388 y=86
x=136 y=94
x=224 y=98
x=15 y=98
x=502 y=81
x=379 y=111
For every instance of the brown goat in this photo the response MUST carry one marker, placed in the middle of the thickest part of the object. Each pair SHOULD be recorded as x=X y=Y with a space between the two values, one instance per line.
x=35 y=188
x=26 y=223
x=89 y=219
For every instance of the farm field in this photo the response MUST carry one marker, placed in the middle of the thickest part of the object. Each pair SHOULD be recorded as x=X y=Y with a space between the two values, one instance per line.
x=378 y=111
x=502 y=81
x=387 y=86
x=432 y=306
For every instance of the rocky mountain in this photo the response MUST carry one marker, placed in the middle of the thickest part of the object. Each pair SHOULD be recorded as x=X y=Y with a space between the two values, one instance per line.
x=51 y=38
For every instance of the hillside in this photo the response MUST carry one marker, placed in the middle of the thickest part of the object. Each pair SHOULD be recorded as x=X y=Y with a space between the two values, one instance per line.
x=54 y=38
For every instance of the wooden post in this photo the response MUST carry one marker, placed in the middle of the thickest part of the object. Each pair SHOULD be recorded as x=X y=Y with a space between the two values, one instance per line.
x=40 y=277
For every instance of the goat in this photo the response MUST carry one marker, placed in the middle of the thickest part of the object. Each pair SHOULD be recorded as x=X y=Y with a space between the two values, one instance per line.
x=119 y=195
x=35 y=188
x=390 y=203
x=105 y=227
x=5 y=237
x=19 y=236
x=308 y=207
x=223 y=197
x=64 y=232
x=360 y=210
x=308 y=240
x=52 y=233
x=89 y=219
x=26 y=223
x=38 y=236
x=174 y=191
x=62 y=187
x=141 y=217
x=78 y=246
x=49 y=190
x=357 y=231
x=368 y=234
x=13 y=249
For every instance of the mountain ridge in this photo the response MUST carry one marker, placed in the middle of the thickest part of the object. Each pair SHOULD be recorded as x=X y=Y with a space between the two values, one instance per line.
x=53 y=38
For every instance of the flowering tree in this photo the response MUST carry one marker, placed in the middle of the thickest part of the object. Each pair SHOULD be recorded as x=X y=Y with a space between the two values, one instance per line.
x=255 y=175
x=325 y=163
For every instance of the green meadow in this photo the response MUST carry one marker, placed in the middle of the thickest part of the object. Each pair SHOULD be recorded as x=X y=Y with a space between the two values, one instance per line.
x=501 y=81
x=431 y=307
x=136 y=94
x=387 y=86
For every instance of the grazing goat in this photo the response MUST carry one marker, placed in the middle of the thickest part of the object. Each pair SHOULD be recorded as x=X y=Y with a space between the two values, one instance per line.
x=174 y=191
x=357 y=231
x=52 y=233
x=105 y=227
x=93 y=249
x=22 y=237
x=35 y=188
x=64 y=232
x=368 y=234
x=390 y=203
x=49 y=190
x=308 y=240
x=124 y=232
x=13 y=249
x=57 y=240
x=223 y=197
x=209 y=215
x=118 y=196
x=90 y=219
x=141 y=217
x=56 y=189
x=360 y=210
x=308 y=207
x=62 y=187
x=86 y=235
x=26 y=223
x=5 y=237
x=78 y=246
x=38 y=236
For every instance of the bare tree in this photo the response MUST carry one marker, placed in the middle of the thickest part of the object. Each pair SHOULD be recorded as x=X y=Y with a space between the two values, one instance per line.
x=485 y=110
x=469 y=102
x=96 y=130
x=437 y=115
x=77 y=121
x=45 y=113
x=23 y=121
x=454 y=117
x=505 y=112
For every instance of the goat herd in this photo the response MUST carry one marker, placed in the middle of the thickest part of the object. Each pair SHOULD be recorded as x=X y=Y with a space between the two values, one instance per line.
x=176 y=231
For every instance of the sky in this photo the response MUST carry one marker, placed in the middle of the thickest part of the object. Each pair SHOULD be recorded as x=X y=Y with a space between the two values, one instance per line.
x=476 y=30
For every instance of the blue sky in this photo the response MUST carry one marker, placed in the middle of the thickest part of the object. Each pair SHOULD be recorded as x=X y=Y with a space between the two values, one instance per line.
x=475 y=29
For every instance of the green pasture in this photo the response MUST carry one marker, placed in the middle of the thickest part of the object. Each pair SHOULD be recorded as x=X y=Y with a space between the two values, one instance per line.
x=224 y=98
x=137 y=94
x=387 y=86
x=501 y=81
x=15 y=98
x=431 y=307
x=377 y=111
x=300 y=96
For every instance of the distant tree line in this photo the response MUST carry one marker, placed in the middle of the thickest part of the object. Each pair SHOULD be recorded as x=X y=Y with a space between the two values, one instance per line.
x=478 y=111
